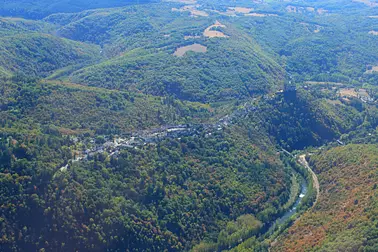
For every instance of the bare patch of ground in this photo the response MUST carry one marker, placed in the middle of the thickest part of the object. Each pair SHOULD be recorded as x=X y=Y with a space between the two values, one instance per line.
x=348 y=92
x=210 y=33
x=193 y=10
x=260 y=15
x=228 y=13
x=243 y=10
x=233 y=11
x=199 y=13
x=317 y=29
x=371 y=69
x=193 y=48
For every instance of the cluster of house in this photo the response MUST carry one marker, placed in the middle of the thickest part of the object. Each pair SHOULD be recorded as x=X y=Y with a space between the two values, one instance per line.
x=152 y=136
x=139 y=138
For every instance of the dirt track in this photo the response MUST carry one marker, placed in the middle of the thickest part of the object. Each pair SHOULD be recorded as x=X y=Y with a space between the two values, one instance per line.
x=302 y=160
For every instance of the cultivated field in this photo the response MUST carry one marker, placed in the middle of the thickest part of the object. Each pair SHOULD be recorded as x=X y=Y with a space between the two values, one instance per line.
x=193 y=11
x=215 y=34
x=194 y=48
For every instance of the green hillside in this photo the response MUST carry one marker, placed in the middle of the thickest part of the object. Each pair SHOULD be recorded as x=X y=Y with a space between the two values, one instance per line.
x=41 y=8
x=345 y=217
x=177 y=125
x=141 y=54
x=80 y=208
x=39 y=54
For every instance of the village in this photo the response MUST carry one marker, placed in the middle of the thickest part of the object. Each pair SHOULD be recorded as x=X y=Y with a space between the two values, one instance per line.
x=113 y=146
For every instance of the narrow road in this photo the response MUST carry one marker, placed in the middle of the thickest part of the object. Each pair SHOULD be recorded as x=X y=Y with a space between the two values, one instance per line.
x=302 y=160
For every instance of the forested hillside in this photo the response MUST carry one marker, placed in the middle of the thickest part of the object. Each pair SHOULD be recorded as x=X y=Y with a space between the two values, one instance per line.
x=28 y=104
x=183 y=190
x=140 y=64
x=309 y=120
x=40 y=54
x=177 y=125
x=166 y=197
x=345 y=217
x=35 y=9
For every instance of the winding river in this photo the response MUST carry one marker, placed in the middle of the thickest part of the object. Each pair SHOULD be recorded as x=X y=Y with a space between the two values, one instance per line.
x=289 y=213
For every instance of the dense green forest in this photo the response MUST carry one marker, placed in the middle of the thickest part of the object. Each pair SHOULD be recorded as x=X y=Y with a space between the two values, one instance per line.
x=131 y=48
x=155 y=198
x=183 y=189
x=176 y=125
x=28 y=104
x=37 y=9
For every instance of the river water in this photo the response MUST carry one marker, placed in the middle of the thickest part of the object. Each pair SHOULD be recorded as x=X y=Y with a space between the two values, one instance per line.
x=293 y=209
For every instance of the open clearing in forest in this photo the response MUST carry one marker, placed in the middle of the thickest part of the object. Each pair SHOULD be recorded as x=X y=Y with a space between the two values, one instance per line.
x=193 y=11
x=194 y=48
x=348 y=92
x=260 y=15
x=243 y=10
x=233 y=11
x=362 y=92
x=199 y=13
x=372 y=69
x=209 y=33
x=317 y=29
